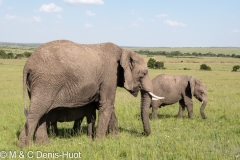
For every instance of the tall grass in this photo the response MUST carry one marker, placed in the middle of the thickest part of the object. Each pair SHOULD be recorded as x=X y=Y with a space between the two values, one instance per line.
x=217 y=137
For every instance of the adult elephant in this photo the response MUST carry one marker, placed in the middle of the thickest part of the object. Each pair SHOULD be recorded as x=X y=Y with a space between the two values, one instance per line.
x=179 y=88
x=64 y=73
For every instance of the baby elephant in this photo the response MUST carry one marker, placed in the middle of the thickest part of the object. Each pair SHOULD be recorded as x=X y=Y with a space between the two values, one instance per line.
x=77 y=114
x=179 y=88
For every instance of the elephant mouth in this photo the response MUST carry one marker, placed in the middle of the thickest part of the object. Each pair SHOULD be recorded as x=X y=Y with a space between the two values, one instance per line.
x=199 y=98
x=134 y=92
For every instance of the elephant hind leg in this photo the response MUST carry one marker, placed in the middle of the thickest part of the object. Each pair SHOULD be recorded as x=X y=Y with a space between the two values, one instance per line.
x=41 y=132
x=36 y=112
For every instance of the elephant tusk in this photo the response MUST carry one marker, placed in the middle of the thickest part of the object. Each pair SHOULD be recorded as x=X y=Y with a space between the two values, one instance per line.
x=154 y=97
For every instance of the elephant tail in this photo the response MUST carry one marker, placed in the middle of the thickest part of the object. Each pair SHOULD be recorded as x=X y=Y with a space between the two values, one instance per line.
x=26 y=73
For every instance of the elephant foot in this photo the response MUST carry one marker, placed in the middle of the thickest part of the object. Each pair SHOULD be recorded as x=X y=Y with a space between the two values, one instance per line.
x=75 y=132
x=179 y=116
x=154 y=118
x=22 y=143
x=203 y=116
x=145 y=134
x=113 y=132
x=42 y=140
x=23 y=139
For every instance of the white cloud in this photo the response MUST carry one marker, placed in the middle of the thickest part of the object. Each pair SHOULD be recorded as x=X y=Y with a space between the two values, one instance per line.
x=88 y=25
x=10 y=17
x=174 y=23
x=18 y=19
x=90 y=13
x=94 y=2
x=60 y=19
x=139 y=19
x=59 y=16
x=162 y=16
x=133 y=13
x=51 y=7
x=1 y=2
x=37 y=19
x=134 y=24
x=236 y=31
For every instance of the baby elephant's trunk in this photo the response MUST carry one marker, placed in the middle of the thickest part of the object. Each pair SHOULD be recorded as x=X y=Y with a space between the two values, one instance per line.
x=204 y=103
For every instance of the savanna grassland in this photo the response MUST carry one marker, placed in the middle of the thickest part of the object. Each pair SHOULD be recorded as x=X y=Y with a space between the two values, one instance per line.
x=217 y=137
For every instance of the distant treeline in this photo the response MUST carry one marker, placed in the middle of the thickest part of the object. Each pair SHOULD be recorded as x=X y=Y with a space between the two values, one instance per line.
x=179 y=54
x=10 y=55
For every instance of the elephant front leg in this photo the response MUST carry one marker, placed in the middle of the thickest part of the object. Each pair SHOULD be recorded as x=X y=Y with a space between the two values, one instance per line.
x=189 y=104
x=155 y=105
x=91 y=118
x=77 y=126
x=181 y=108
x=104 y=114
x=154 y=112
x=113 y=125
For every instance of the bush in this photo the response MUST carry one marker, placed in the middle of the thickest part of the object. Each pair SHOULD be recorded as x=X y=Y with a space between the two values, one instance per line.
x=10 y=55
x=3 y=54
x=159 y=65
x=205 y=67
x=18 y=56
x=152 y=63
x=27 y=54
x=235 y=68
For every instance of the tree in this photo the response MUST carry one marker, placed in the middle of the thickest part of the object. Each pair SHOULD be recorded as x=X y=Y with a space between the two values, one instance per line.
x=205 y=67
x=151 y=63
x=10 y=55
x=27 y=54
x=18 y=56
x=3 y=54
x=159 y=65
x=235 y=68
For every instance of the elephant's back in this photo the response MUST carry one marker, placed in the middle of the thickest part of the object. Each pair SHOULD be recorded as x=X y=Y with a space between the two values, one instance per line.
x=169 y=86
x=64 y=57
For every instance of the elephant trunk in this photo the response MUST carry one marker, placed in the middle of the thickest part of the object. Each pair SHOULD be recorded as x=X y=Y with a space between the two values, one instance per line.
x=204 y=103
x=145 y=104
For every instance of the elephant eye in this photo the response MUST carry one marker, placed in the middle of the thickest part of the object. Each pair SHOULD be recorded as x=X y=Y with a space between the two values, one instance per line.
x=142 y=73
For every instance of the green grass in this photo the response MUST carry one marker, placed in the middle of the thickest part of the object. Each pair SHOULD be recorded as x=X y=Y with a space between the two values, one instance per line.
x=217 y=137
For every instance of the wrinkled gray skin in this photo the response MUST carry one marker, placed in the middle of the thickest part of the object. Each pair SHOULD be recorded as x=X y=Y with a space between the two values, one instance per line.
x=77 y=114
x=179 y=88
x=64 y=73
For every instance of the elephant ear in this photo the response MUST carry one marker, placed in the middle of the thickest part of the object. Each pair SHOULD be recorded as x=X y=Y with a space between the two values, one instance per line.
x=192 y=84
x=126 y=61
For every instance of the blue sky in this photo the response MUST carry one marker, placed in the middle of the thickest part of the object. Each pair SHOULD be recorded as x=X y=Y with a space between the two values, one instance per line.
x=142 y=23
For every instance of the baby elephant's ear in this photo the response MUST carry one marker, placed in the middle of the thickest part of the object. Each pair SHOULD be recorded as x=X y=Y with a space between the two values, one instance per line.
x=125 y=62
x=192 y=84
